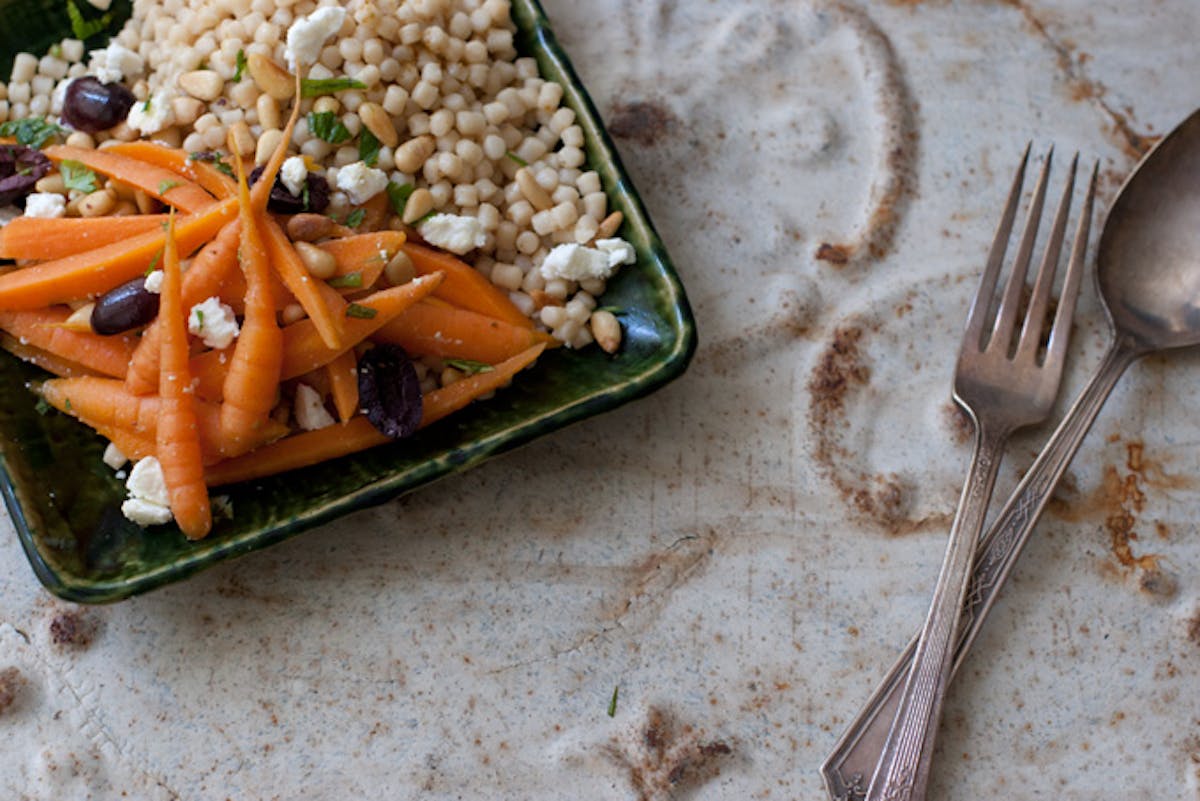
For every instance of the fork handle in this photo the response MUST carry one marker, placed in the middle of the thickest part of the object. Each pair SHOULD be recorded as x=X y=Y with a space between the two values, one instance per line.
x=861 y=746
x=903 y=770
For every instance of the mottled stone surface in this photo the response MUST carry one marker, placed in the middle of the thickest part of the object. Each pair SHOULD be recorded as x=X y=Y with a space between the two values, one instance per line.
x=743 y=553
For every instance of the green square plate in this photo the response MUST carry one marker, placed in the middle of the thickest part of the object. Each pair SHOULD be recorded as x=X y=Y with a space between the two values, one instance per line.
x=65 y=502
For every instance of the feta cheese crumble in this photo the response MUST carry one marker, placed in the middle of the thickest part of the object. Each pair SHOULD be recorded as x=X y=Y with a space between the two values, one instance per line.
x=453 y=232
x=360 y=182
x=310 y=410
x=154 y=282
x=576 y=263
x=294 y=174
x=152 y=115
x=45 y=205
x=148 y=503
x=215 y=322
x=113 y=457
x=619 y=251
x=308 y=34
x=115 y=63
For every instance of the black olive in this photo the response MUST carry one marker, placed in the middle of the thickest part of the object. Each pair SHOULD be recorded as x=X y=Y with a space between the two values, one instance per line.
x=92 y=106
x=124 y=308
x=282 y=201
x=389 y=391
x=20 y=169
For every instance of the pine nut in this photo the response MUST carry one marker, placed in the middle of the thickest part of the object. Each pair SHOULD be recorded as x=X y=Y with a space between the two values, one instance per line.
x=309 y=227
x=124 y=208
x=97 y=204
x=267 y=143
x=320 y=264
x=532 y=190
x=80 y=319
x=412 y=154
x=203 y=85
x=609 y=225
x=292 y=313
x=379 y=122
x=420 y=203
x=400 y=269
x=145 y=203
x=52 y=184
x=270 y=77
x=268 y=112
x=81 y=139
x=241 y=139
x=186 y=110
x=326 y=104
x=606 y=330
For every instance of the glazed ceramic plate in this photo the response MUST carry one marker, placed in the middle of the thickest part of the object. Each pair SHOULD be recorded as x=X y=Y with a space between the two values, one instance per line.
x=65 y=502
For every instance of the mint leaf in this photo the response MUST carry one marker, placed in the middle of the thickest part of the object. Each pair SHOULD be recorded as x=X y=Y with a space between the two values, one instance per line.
x=30 y=131
x=314 y=87
x=326 y=126
x=76 y=176
x=86 y=28
x=355 y=218
x=348 y=281
x=361 y=312
x=368 y=148
x=468 y=366
x=516 y=158
x=398 y=195
x=241 y=65
x=166 y=186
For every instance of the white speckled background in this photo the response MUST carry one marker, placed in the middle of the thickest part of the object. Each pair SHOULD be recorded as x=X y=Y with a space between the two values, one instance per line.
x=742 y=553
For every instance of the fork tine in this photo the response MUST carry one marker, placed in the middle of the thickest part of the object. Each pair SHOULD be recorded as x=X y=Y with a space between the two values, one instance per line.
x=1006 y=317
x=1031 y=330
x=977 y=315
x=1060 y=333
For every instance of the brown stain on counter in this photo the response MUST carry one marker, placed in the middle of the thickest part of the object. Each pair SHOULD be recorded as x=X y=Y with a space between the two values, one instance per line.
x=643 y=122
x=669 y=759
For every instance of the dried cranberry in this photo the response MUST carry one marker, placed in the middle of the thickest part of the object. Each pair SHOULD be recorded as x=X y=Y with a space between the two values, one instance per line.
x=389 y=390
x=20 y=169
x=282 y=201
x=92 y=106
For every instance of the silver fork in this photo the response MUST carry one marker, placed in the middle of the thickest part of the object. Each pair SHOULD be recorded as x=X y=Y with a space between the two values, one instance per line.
x=1002 y=385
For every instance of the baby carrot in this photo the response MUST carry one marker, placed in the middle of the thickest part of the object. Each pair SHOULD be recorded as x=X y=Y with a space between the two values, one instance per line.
x=262 y=188
x=431 y=328
x=41 y=239
x=178 y=438
x=167 y=186
x=343 y=384
x=179 y=162
x=49 y=362
x=252 y=381
x=464 y=286
x=324 y=309
x=43 y=329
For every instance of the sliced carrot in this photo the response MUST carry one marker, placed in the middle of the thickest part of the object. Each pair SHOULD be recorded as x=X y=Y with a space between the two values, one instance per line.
x=43 y=359
x=43 y=329
x=252 y=381
x=262 y=188
x=209 y=269
x=178 y=437
x=324 y=311
x=464 y=286
x=169 y=187
x=311 y=447
x=179 y=162
x=106 y=405
x=343 y=384
x=40 y=239
x=96 y=271
x=432 y=328
x=134 y=447
x=362 y=257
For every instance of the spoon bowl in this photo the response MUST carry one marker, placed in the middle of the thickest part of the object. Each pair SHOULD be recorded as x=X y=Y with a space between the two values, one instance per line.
x=1148 y=262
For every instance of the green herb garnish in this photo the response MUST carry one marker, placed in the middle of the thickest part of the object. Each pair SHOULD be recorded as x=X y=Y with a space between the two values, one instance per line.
x=86 y=28
x=166 y=186
x=224 y=168
x=154 y=262
x=348 y=281
x=315 y=87
x=43 y=408
x=76 y=176
x=398 y=195
x=241 y=65
x=56 y=50
x=361 y=312
x=516 y=158
x=355 y=218
x=468 y=366
x=326 y=126
x=368 y=148
x=30 y=131
x=199 y=317
x=612 y=702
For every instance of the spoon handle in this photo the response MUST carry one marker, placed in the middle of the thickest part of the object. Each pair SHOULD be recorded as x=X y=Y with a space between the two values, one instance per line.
x=853 y=761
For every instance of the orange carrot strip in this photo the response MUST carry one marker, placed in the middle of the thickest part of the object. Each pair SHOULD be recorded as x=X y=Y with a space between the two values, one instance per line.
x=326 y=316
x=431 y=328
x=311 y=447
x=464 y=286
x=179 y=162
x=39 y=239
x=167 y=186
x=262 y=188
x=178 y=438
x=97 y=271
x=252 y=381
x=203 y=279
x=134 y=446
x=43 y=328
x=43 y=359
x=364 y=254
x=106 y=405
x=343 y=384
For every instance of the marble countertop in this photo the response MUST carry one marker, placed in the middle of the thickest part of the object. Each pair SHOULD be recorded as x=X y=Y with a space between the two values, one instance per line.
x=689 y=597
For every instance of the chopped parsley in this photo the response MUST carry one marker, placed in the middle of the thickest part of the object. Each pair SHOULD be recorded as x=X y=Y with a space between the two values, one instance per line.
x=360 y=311
x=86 y=28
x=516 y=158
x=199 y=318
x=398 y=195
x=153 y=263
x=30 y=131
x=612 y=702
x=355 y=218
x=348 y=281
x=468 y=366
x=315 y=87
x=368 y=148
x=76 y=176
x=224 y=168
x=42 y=406
x=326 y=126
x=166 y=186
x=241 y=65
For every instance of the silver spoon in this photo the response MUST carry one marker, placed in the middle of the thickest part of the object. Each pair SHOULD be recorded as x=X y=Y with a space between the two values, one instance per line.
x=1148 y=274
